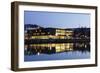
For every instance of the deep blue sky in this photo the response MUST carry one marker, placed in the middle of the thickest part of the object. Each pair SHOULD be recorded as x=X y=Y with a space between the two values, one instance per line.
x=57 y=19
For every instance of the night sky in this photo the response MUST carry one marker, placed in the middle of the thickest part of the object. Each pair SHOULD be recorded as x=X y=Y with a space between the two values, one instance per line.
x=57 y=19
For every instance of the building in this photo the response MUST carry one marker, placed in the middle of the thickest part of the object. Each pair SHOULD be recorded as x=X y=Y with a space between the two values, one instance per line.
x=34 y=33
x=64 y=33
x=48 y=33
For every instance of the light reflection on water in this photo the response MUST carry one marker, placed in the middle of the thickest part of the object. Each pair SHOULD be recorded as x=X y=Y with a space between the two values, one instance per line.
x=58 y=51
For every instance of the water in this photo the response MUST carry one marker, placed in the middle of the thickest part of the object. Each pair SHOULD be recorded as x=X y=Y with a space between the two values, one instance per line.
x=57 y=51
x=58 y=56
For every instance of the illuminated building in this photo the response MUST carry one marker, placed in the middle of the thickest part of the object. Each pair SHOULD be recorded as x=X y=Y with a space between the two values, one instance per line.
x=35 y=33
x=48 y=33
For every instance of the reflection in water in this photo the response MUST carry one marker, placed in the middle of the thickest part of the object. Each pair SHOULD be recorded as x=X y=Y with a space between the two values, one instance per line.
x=56 y=51
x=37 y=49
